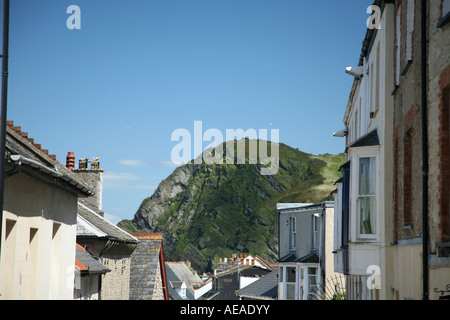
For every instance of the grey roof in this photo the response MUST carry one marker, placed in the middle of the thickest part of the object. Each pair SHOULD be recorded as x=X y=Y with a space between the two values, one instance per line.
x=90 y=262
x=145 y=263
x=369 y=139
x=91 y=224
x=311 y=257
x=290 y=257
x=263 y=288
x=36 y=161
x=177 y=273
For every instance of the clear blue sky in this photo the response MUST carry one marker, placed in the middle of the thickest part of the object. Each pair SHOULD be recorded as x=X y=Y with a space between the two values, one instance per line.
x=139 y=69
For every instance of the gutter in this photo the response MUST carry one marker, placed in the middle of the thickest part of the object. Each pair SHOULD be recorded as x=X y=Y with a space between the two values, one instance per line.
x=162 y=265
x=19 y=160
x=425 y=271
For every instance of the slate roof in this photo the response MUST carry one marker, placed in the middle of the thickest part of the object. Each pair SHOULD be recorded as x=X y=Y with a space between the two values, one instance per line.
x=87 y=263
x=91 y=224
x=145 y=263
x=369 y=139
x=265 y=288
x=177 y=273
x=311 y=257
x=36 y=161
x=227 y=284
x=290 y=257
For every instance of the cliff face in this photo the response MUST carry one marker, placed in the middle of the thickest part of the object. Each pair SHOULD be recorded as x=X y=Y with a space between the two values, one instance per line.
x=210 y=211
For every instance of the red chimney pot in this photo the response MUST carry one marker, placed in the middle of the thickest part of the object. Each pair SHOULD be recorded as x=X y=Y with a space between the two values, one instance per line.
x=70 y=160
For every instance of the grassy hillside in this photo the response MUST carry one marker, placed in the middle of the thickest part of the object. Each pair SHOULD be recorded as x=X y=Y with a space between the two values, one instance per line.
x=231 y=208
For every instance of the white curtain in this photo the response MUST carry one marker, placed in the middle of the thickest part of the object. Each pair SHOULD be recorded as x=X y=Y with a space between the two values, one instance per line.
x=367 y=195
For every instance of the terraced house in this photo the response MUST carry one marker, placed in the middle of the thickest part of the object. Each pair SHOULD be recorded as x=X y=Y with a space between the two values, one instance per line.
x=392 y=225
x=39 y=222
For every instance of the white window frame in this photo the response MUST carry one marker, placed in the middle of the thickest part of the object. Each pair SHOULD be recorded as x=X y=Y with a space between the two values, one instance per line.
x=302 y=278
x=356 y=235
x=398 y=46
x=292 y=233
x=310 y=291
x=315 y=231
x=410 y=15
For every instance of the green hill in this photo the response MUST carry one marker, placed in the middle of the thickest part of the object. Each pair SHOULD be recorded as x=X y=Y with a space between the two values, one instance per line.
x=210 y=211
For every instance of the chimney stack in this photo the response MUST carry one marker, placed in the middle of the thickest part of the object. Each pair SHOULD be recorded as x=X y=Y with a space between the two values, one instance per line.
x=70 y=161
x=82 y=163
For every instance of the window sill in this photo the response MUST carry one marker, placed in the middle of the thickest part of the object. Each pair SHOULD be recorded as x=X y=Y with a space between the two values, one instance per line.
x=444 y=20
x=408 y=227
x=443 y=249
x=371 y=241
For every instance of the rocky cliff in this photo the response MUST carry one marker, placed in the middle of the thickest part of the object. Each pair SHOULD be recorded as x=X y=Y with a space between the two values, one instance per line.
x=206 y=211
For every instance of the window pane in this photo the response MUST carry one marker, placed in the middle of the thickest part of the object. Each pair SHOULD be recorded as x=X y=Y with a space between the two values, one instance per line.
x=445 y=7
x=312 y=280
x=290 y=291
x=367 y=207
x=367 y=176
x=290 y=274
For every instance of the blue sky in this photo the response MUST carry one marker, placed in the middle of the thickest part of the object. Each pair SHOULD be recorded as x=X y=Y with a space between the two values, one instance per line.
x=139 y=69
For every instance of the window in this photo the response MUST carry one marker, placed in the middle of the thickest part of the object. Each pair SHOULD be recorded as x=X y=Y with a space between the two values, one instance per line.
x=299 y=281
x=314 y=231
x=398 y=45
x=183 y=291
x=292 y=232
x=445 y=7
x=367 y=196
x=409 y=28
x=378 y=79
x=372 y=88
x=445 y=13
x=312 y=281
x=290 y=283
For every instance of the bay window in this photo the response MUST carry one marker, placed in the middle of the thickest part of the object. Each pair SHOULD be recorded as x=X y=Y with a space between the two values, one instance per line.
x=298 y=281
x=366 y=201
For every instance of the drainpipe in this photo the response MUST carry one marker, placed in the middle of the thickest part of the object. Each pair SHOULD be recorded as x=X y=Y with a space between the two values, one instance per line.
x=425 y=275
x=4 y=56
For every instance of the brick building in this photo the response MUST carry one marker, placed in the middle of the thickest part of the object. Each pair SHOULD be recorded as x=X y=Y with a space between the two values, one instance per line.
x=421 y=147
x=410 y=244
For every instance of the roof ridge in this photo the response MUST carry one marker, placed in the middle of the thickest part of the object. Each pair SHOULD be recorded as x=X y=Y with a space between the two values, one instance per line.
x=147 y=235
x=24 y=135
